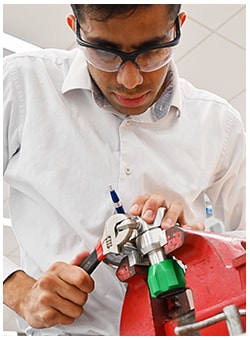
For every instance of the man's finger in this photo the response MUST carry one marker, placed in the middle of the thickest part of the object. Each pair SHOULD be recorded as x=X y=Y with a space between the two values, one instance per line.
x=147 y=206
x=77 y=260
x=174 y=214
x=197 y=226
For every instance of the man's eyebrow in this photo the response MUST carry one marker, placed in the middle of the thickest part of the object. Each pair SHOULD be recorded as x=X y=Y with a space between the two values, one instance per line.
x=103 y=42
x=152 y=42
x=110 y=44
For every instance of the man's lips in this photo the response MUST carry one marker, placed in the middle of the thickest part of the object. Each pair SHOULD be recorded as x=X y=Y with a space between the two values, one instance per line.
x=131 y=101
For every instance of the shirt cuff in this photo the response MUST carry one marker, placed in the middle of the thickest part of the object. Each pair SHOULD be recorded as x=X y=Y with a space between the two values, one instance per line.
x=9 y=268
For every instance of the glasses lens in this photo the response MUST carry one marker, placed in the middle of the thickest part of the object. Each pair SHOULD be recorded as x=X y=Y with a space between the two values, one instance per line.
x=153 y=60
x=103 y=60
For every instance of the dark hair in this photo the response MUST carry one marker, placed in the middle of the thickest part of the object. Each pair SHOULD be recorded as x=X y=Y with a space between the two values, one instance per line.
x=104 y=12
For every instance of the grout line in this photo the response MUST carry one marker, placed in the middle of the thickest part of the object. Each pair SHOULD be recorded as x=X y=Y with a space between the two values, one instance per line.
x=236 y=95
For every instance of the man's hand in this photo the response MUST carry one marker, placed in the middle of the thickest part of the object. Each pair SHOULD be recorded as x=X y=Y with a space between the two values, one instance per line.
x=57 y=297
x=146 y=206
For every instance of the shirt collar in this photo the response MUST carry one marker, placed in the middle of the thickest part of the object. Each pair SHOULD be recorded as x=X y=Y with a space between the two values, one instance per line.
x=171 y=96
x=78 y=78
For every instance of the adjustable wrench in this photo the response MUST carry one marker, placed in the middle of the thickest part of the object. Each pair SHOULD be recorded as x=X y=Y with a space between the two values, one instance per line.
x=117 y=231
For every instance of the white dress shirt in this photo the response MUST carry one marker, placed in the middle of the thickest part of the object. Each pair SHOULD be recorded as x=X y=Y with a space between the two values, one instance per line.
x=64 y=144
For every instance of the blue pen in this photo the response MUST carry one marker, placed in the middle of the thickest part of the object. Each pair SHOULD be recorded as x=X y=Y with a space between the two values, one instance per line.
x=116 y=200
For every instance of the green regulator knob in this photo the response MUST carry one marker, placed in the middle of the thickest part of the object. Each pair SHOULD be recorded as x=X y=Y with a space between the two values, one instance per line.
x=166 y=278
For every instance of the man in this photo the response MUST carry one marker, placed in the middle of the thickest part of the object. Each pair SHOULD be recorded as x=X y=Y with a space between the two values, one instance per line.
x=111 y=112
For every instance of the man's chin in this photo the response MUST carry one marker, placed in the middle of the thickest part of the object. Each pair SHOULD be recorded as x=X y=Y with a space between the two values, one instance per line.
x=130 y=111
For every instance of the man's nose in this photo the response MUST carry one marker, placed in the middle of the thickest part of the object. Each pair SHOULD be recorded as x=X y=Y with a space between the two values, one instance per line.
x=129 y=75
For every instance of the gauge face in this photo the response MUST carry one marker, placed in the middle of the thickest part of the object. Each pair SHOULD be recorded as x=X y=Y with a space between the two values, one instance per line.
x=175 y=239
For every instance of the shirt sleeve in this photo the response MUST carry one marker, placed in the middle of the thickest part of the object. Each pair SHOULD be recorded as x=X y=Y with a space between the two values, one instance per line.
x=11 y=132
x=12 y=111
x=228 y=188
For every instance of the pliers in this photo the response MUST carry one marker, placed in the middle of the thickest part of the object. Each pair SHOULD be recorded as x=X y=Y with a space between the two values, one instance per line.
x=117 y=231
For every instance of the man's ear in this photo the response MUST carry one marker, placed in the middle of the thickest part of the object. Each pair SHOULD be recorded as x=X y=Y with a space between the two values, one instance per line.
x=182 y=18
x=71 y=21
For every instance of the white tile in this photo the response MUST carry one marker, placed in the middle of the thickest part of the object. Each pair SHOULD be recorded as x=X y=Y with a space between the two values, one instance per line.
x=6 y=212
x=10 y=248
x=216 y=65
x=192 y=34
x=212 y=15
x=235 y=29
x=10 y=245
x=40 y=24
x=5 y=200
x=15 y=257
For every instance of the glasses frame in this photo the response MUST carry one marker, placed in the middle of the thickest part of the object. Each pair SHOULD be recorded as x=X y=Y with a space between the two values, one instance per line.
x=129 y=56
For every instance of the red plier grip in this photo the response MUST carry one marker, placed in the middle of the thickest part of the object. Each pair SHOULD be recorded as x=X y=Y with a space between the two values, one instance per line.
x=91 y=262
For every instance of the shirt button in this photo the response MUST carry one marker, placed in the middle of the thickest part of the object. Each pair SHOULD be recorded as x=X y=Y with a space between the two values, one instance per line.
x=128 y=122
x=128 y=170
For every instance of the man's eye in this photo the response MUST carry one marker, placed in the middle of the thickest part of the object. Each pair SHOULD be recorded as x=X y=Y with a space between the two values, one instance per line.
x=156 y=53
x=104 y=55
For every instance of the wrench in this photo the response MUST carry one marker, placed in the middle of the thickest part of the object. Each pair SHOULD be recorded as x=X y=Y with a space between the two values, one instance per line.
x=117 y=231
